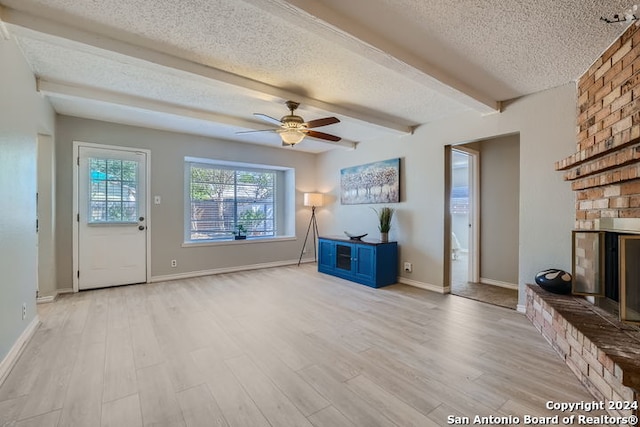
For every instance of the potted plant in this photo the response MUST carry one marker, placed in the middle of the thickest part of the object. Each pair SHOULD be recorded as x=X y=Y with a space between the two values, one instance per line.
x=240 y=233
x=385 y=215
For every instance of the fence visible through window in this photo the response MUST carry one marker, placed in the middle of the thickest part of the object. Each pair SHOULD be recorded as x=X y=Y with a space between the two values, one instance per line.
x=222 y=199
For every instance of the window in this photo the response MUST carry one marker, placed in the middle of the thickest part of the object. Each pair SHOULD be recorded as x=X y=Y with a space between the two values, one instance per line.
x=222 y=196
x=113 y=190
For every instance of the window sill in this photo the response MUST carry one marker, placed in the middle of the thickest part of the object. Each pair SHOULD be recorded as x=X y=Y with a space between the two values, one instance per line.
x=239 y=242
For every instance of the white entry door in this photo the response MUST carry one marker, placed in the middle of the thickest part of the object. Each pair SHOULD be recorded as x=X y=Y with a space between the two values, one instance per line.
x=112 y=224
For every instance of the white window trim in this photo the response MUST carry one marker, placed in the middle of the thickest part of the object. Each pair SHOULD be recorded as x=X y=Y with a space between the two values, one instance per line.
x=248 y=241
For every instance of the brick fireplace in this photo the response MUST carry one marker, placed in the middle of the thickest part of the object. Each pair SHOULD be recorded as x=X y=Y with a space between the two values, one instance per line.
x=605 y=170
x=605 y=175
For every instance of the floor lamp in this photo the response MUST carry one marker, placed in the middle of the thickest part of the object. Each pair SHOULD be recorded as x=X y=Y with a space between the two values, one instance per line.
x=314 y=200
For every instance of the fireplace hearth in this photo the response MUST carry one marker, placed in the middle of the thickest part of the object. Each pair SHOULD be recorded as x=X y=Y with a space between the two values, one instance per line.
x=602 y=352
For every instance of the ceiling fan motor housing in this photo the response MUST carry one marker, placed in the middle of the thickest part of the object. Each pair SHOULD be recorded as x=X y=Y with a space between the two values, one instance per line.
x=292 y=121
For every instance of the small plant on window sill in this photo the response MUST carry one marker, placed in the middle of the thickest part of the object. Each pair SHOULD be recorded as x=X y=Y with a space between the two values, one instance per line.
x=240 y=233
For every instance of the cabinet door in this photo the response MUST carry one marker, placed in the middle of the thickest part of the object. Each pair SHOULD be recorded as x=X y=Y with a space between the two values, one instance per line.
x=344 y=257
x=326 y=255
x=364 y=262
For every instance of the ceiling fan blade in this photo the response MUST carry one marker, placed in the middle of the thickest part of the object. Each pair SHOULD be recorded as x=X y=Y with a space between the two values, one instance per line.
x=268 y=119
x=321 y=122
x=254 y=131
x=322 y=135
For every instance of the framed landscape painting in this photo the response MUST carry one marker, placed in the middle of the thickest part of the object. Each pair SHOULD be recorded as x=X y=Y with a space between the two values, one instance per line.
x=377 y=182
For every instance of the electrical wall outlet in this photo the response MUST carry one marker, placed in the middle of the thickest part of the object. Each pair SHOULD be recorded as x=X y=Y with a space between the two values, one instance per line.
x=174 y=263
x=408 y=267
x=24 y=310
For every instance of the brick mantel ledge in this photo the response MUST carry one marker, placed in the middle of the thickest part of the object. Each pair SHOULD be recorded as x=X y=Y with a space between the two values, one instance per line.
x=603 y=352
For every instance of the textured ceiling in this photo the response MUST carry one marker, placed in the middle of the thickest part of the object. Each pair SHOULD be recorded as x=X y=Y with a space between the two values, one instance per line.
x=508 y=48
x=381 y=66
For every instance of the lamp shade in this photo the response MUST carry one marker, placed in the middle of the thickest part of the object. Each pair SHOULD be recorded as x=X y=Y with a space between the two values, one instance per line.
x=313 y=199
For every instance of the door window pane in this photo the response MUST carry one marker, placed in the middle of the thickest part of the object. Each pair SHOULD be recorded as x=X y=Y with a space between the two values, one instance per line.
x=113 y=190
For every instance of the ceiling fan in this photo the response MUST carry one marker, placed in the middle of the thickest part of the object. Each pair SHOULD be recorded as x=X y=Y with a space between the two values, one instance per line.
x=293 y=128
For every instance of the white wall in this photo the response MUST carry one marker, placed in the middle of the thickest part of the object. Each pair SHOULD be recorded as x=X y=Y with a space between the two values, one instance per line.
x=499 y=208
x=546 y=124
x=46 y=183
x=23 y=113
x=168 y=151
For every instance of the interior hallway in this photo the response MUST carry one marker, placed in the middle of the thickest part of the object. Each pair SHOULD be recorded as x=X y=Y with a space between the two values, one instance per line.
x=479 y=291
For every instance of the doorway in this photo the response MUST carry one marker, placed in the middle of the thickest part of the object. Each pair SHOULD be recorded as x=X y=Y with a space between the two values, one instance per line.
x=482 y=220
x=111 y=237
x=464 y=202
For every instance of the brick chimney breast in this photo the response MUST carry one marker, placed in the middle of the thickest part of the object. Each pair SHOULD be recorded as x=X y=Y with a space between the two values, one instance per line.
x=608 y=136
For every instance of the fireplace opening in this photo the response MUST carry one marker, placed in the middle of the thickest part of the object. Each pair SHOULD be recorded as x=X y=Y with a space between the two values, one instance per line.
x=611 y=300
x=629 y=251
x=606 y=266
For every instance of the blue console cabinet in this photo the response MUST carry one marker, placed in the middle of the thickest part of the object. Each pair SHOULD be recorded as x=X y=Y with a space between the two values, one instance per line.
x=368 y=262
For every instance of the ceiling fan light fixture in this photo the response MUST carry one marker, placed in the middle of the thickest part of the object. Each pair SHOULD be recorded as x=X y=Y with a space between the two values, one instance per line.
x=293 y=129
x=291 y=136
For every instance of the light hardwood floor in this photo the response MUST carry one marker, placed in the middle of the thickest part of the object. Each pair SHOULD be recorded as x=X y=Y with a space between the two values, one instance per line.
x=279 y=347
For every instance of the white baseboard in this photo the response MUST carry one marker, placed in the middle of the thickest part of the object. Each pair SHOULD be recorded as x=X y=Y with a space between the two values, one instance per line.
x=52 y=298
x=12 y=357
x=190 y=274
x=4 y=32
x=507 y=285
x=521 y=308
x=423 y=285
